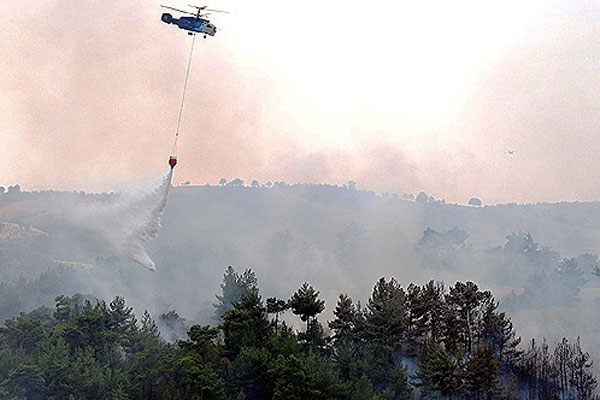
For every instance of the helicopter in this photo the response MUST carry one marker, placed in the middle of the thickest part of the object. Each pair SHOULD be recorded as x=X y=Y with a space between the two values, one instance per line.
x=197 y=23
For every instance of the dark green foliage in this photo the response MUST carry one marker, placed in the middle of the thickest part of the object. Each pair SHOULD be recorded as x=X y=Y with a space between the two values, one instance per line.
x=426 y=309
x=305 y=303
x=26 y=381
x=497 y=331
x=483 y=374
x=346 y=318
x=120 y=317
x=451 y=344
x=363 y=389
x=149 y=327
x=276 y=306
x=399 y=383
x=440 y=371
x=385 y=319
x=305 y=377
x=24 y=332
x=250 y=373
x=200 y=381
x=347 y=359
x=202 y=343
x=246 y=325
x=285 y=342
x=466 y=305
x=69 y=307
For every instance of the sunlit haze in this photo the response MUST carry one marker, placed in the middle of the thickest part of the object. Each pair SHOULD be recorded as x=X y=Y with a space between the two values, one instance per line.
x=397 y=96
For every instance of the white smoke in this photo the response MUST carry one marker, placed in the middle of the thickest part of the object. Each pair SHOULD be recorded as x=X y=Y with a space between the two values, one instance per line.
x=127 y=220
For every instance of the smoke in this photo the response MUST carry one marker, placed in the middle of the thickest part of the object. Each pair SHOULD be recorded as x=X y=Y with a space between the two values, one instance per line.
x=75 y=95
x=338 y=239
x=128 y=220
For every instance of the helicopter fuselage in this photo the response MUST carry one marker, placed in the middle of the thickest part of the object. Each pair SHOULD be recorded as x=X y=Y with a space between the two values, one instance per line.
x=192 y=24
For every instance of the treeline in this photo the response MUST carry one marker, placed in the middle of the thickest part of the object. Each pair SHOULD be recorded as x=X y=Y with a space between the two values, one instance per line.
x=559 y=374
x=548 y=279
x=404 y=343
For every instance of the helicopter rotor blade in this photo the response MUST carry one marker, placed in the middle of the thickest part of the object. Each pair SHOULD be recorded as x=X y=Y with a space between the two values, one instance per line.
x=176 y=9
x=220 y=11
x=197 y=7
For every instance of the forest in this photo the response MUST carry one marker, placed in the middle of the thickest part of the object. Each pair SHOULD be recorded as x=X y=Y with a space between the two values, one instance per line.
x=413 y=342
x=342 y=219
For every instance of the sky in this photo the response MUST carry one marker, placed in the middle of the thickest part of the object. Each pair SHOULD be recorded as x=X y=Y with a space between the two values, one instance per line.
x=397 y=96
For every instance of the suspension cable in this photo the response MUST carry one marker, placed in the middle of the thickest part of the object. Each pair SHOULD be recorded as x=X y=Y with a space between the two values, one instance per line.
x=187 y=74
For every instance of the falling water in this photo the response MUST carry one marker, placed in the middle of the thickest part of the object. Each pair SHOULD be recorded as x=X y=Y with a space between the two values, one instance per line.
x=128 y=220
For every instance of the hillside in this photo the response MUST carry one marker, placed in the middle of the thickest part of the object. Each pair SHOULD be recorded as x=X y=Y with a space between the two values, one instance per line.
x=326 y=235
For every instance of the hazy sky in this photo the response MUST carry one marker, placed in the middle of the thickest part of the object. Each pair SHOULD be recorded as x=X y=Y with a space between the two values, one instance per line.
x=398 y=96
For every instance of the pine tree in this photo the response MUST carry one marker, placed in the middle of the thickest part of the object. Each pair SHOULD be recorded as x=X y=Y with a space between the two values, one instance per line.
x=201 y=382
x=466 y=304
x=23 y=332
x=118 y=393
x=434 y=306
x=346 y=361
x=483 y=373
x=383 y=329
x=56 y=365
x=276 y=306
x=233 y=288
x=546 y=374
x=440 y=371
x=202 y=342
x=415 y=319
x=149 y=327
x=344 y=324
x=88 y=374
x=498 y=332
x=425 y=311
x=528 y=368
x=386 y=314
x=250 y=373
x=305 y=377
x=582 y=378
x=399 y=381
x=246 y=325
x=453 y=332
x=511 y=390
x=80 y=353
x=26 y=381
x=289 y=378
x=561 y=364
x=121 y=321
x=89 y=329
x=363 y=389
x=305 y=303
x=69 y=307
